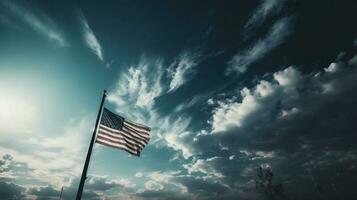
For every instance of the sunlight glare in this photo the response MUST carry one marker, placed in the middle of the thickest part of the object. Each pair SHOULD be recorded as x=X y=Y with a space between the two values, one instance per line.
x=16 y=112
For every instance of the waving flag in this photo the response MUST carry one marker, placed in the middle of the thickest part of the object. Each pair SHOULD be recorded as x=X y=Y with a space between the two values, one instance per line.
x=117 y=132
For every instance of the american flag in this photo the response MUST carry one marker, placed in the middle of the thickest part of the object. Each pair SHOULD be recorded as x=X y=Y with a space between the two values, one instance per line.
x=117 y=132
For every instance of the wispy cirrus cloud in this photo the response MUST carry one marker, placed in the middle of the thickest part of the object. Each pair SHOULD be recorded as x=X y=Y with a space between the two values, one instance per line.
x=276 y=36
x=90 y=38
x=183 y=69
x=36 y=19
x=135 y=96
x=140 y=85
x=261 y=13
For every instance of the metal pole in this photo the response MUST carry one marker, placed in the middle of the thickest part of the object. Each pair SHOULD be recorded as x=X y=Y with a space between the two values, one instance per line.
x=61 y=193
x=85 y=168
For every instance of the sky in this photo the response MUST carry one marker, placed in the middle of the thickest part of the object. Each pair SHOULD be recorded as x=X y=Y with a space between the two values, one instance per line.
x=227 y=87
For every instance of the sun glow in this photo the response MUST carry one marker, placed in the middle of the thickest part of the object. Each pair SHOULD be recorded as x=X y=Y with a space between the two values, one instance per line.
x=16 y=112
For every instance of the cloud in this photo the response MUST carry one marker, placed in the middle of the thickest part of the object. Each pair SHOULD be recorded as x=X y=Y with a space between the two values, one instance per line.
x=272 y=120
x=44 y=192
x=261 y=13
x=52 y=159
x=135 y=95
x=140 y=85
x=231 y=114
x=96 y=187
x=176 y=135
x=183 y=69
x=160 y=180
x=103 y=183
x=204 y=167
x=276 y=36
x=48 y=147
x=156 y=195
x=37 y=20
x=201 y=189
x=153 y=186
x=139 y=174
x=11 y=191
x=90 y=38
x=333 y=67
x=288 y=120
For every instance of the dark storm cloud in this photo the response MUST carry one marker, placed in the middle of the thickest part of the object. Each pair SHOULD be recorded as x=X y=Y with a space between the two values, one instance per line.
x=161 y=195
x=102 y=184
x=13 y=172
x=7 y=157
x=295 y=122
x=44 y=192
x=11 y=191
x=202 y=188
x=69 y=192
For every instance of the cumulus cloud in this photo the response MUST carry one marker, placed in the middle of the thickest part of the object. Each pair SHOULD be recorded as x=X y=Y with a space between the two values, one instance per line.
x=203 y=166
x=231 y=114
x=90 y=38
x=183 y=69
x=276 y=36
x=139 y=174
x=153 y=185
x=36 y=19
x=270 y=121
x=285 y=119
x=160 y=180
x=103 y=183
x=333 y=67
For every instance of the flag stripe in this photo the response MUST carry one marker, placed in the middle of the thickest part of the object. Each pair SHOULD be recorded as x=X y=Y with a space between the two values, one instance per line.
x=131 y=134
x=126 y=134
x=115 y=136
x=139 y=131
x=120 y=141
x=118 y=146
x=135 y=133
x=119 y=137
x=138 y=126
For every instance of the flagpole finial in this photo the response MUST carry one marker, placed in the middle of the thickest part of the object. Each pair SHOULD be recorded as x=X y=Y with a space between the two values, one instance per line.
x=105 y=91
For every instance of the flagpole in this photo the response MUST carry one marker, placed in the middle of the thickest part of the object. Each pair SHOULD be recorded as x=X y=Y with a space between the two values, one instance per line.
x=60 y=198
x=85 y=168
